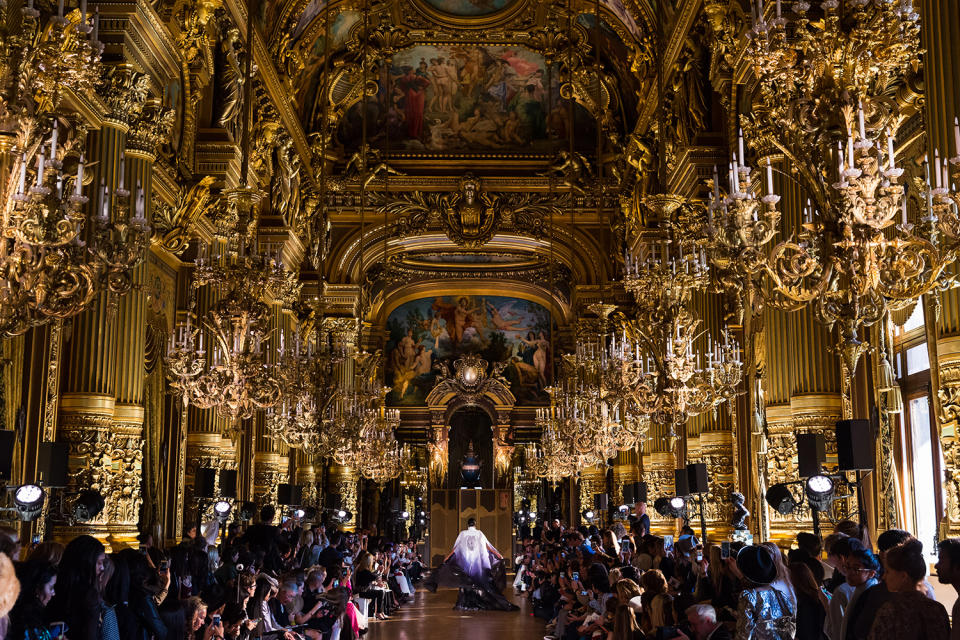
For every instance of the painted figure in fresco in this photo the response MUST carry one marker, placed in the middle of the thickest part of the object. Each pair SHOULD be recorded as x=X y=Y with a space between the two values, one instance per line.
x=414 y=87
x=500 y=316
x=542 y=347
x=459 y=317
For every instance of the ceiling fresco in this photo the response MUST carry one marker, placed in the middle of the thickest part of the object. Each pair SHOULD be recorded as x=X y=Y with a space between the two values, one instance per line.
x=462 y=98
x=470 y=8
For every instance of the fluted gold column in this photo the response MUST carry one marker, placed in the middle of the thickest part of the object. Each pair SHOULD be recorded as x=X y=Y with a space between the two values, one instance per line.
x=592 y=481
x=658 y=469
x=271 y=464
x=89 y=369
x=940 y=38
x=626 y=469
x=342 y=482
x=305 y=475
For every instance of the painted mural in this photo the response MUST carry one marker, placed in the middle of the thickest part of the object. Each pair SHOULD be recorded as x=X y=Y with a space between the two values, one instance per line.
x=340 y=27
x=469 y=8
x=467 y=99
x=424 y=333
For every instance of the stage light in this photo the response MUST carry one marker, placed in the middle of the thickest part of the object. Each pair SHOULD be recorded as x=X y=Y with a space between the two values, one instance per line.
x=533 y=515
x=299 y=513
x=29 y=499
x=589 y=514
x=310 y=513
x=222 y=509
x=662 y=506
x=820 y=490
x=405 y=515
x=781 y=499
x=342 y=515
x=678 y=507
x=246 y=511
x=87 y=506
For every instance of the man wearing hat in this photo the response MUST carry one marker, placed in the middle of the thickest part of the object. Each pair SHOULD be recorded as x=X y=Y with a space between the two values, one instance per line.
x=764 y=612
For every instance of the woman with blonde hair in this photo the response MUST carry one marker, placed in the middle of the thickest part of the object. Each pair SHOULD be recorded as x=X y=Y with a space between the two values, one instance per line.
x=625 y=625
x=656 y=601
x=611 y=546
x=628 y=593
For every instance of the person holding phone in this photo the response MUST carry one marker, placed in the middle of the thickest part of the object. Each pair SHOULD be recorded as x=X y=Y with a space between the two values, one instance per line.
x=38 y=580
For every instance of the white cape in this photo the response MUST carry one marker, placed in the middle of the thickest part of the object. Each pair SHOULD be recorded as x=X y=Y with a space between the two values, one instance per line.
x=471 y=554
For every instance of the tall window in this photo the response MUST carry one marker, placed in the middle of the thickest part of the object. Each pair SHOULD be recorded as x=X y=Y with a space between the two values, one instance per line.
x=916 y=440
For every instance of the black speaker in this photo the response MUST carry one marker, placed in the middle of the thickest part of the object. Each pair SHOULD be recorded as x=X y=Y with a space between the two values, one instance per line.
x=228 y=483
x=7 y=440
x=697 y=480
x=601 y=502
x=639 y=492
x=854 y=445
x=52 y=464
x=396 y=505
x=289 y=494
x=811 y=454
x=681 y=482
x=628 y=493
x=203 y=482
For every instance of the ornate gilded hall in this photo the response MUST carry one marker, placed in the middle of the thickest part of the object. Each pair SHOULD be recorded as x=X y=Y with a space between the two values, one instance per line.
x=398 y=263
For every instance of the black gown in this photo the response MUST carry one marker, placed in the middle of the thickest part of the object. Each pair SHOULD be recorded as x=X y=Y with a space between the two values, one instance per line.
x=475 y=595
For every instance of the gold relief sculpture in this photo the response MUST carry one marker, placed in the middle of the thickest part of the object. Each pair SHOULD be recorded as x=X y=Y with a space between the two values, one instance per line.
x=193 y=20
x=173 y=224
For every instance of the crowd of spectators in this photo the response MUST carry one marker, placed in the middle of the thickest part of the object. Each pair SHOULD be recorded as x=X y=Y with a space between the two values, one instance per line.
x=290 y=581
x=622 y=583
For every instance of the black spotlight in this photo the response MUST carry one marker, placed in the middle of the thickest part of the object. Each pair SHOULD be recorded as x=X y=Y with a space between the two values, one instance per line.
x=309 y=513
x=342 y=515
x=29 y=500
x=781 y=500
x=87 y=506
x=246 y=511
x=820 y=490
x=662 y=506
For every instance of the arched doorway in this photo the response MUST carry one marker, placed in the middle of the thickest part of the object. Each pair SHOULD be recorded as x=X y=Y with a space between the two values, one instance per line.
x=470 y=425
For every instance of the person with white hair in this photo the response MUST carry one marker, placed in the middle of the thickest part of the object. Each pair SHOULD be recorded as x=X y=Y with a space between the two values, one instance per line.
x=702 y=619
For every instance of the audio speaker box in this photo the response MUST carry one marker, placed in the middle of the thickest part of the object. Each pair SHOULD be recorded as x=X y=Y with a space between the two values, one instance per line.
x=628 y=493
x=811 y=454
x=228 y=483
x=639 y=492
x=396 y=505
x=7 y=440
x=203 y=483
x=601 y=502
x=697 y=481
x=854 y=445
x=289 y=494
x=53 y=464
x=681 y=482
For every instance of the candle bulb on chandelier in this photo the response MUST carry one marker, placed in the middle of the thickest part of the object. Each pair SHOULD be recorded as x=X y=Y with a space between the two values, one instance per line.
x=936 y=167
x=740 y=148
x=21 y=185
x=956 y=135
x=79 y=186
x=903 y=211
x=850 y=164
x=890 y=151
x=769 y=178
x=40 y=161
x=59 y=8
x=840 y=158
x=861 y=121
x=716 y=184
x=53 y=142
x=83 y=12
x=123 y=163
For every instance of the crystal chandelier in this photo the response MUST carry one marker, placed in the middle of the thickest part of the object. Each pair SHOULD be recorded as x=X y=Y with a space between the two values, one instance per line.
x=670 y=377
x=824 y=76
x=308 y=380
x=52 y=264
x=587 y=408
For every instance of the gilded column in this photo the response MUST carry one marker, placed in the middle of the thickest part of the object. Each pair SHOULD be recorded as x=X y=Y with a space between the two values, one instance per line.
x=626 y=469
x=305 y=475
x=99 y=457
x=592 y=482
x=940 y=38
x=658 y=469
x=271 y=464
x=342 y=485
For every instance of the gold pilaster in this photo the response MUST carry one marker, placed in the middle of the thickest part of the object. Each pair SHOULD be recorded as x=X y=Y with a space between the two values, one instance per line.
x=342 y=482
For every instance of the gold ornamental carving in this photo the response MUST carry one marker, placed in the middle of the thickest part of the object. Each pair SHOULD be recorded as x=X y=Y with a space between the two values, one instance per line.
x=173 y=224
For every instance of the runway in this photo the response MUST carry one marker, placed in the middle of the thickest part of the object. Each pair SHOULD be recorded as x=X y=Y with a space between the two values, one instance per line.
x=431 y=616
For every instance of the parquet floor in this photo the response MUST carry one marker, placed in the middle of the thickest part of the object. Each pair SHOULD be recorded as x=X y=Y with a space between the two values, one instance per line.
x=430 y=616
